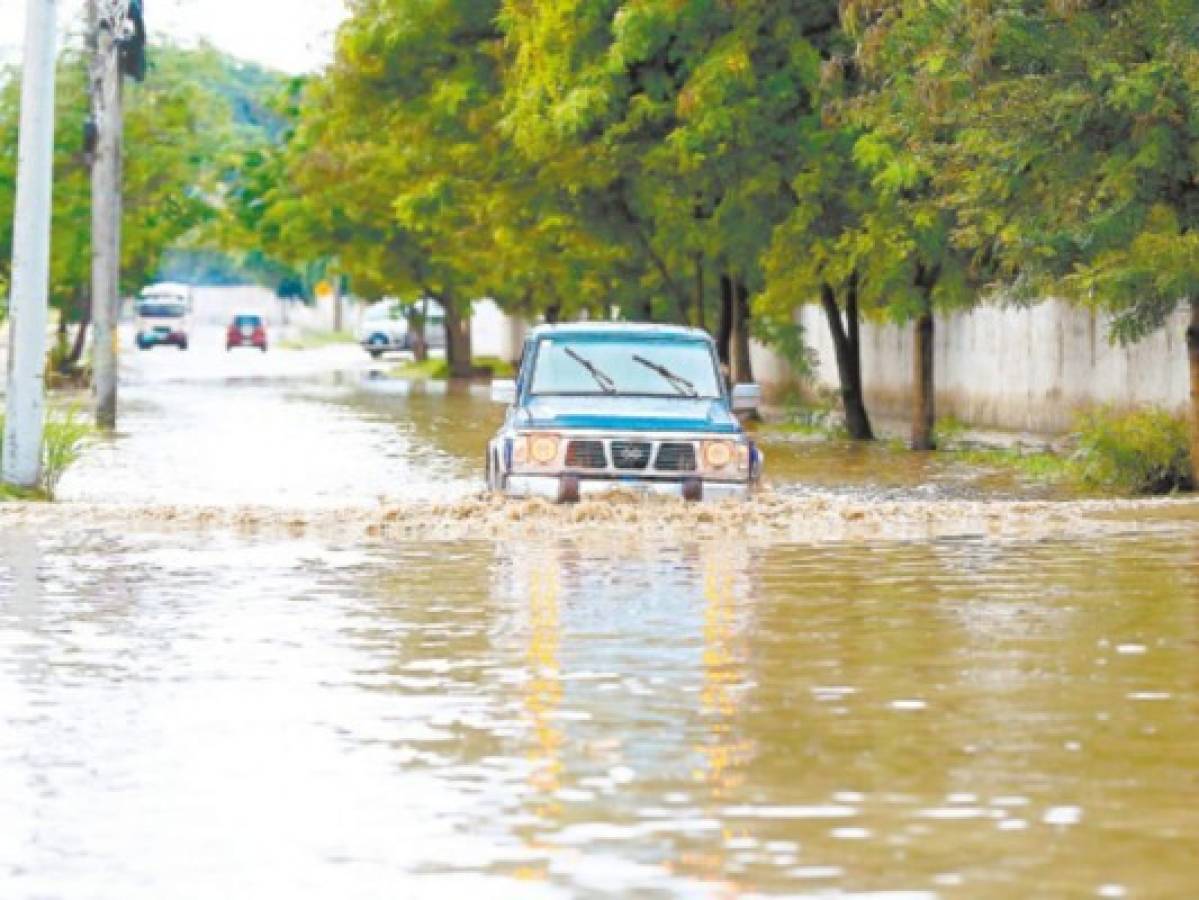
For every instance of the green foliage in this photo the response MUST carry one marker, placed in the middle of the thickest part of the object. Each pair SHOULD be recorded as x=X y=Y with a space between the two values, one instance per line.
x=949 y=431
x=181 y=126
x=439 y=369
x=810 y=415
x=316 y=339
x=1144 y=452
x=65 y=437
x=1072 y=171
x=675 y=127
x=787 y=338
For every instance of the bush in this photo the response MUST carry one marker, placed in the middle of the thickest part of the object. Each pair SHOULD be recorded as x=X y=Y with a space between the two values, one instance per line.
x=1145 y=452
x=63 y=442
x=65 y=439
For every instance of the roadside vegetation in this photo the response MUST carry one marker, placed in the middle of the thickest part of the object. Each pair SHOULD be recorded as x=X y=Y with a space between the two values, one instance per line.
x=717 y=164
x=66 y=436
x=440 y=369
x=314 y=340
x=1107 y=452
x=724 y=164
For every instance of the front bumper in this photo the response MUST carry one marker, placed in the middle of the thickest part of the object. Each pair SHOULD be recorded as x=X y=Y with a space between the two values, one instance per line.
x=549 y=487
x=160 y=337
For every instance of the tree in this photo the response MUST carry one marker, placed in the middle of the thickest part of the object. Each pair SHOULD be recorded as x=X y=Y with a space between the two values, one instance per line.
x=914 y=261
x=819 y=250
x=1074 y=172
x=684 y=121
x=177 y=132
x=397 y=146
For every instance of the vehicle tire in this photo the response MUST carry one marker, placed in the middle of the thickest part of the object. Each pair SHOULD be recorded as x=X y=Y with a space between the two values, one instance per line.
x=183 y=345
x=376 y=345
x=263 y=348
x=495 y=481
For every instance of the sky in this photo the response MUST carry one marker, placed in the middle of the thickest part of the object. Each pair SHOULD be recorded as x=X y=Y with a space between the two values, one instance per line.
x=292 y=35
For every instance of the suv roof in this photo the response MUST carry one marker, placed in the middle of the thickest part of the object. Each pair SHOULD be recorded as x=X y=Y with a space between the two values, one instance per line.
x=617 y=329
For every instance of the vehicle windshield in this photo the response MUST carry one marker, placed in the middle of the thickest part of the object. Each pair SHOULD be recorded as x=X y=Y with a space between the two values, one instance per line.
x=635 y=367
x=161 y=310
x=247 y=321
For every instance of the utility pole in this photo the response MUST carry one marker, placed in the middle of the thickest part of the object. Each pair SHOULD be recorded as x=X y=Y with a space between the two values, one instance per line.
x=118 y=38
x=106 y=207
x=26 y=413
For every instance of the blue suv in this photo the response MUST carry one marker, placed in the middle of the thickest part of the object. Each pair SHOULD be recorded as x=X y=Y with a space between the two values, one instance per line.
x=603 y=406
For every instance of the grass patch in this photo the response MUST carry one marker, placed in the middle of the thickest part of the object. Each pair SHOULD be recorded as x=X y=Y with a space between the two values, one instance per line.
x=65 y=437
x=314 y=340
x=808 y=416
x=1033 y=465
x=1143 y=452
x=439 y=369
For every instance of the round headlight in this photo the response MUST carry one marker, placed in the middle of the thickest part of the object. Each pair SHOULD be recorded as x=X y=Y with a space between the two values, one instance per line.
x=544 y=449
x=718 y=454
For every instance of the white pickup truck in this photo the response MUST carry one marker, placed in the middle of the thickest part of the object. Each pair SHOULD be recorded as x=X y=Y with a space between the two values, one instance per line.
x=387 y=326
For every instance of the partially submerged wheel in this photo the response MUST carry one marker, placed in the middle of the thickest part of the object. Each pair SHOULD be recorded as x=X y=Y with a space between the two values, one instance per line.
x=495 y=481
x=376 y=345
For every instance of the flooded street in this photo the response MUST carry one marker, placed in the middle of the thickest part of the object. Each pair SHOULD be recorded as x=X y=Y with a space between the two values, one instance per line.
x=702 y=709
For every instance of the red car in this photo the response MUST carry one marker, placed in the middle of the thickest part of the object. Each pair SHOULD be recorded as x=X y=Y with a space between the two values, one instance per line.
x=246 y=330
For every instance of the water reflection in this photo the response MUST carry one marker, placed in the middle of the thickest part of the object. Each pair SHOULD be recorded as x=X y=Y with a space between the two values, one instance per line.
x=572 y=717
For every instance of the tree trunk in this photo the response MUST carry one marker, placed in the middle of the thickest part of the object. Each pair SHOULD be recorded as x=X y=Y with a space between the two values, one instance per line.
x=338 y=310
x=418 y=324
x=740 y=366
x=76 y=354
x=1193 y=356
x=457 y=344
x=847 y=348
x=924 y=415
x=699 y=291
x=724 y=330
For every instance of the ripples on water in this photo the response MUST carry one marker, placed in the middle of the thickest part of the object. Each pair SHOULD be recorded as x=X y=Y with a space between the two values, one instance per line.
x=209 y=716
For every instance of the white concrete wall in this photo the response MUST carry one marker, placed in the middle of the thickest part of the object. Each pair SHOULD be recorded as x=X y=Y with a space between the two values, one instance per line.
x=1020 y=369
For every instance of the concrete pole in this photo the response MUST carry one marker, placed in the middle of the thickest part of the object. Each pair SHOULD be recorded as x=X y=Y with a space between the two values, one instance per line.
x=106 y=228
x=25 y=416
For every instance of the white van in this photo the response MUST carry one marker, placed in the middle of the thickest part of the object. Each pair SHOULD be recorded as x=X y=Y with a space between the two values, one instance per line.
x=164 y=316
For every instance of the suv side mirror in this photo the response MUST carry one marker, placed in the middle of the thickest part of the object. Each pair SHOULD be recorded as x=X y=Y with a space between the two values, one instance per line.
x=503 y=392
x=747 y=397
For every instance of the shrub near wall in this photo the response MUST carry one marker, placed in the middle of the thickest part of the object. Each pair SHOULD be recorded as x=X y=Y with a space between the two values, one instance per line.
x=1145 y=452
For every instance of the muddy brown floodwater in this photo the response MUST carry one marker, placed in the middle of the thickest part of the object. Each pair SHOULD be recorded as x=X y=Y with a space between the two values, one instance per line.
x=297 y=678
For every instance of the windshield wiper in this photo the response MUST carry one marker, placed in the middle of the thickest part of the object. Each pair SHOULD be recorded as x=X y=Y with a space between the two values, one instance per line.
x=601 y=378
x=678 y=382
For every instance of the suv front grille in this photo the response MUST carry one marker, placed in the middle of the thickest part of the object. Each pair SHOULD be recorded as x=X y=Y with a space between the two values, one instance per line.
x=676 y=458
x=586 y=455
x=631 y=455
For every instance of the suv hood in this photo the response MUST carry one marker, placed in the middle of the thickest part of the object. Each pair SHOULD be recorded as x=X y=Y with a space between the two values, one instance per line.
x=629 y=414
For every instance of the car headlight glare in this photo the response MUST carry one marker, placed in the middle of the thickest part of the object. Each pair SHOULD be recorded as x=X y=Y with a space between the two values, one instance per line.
x=544 y=449
x=718 y=454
